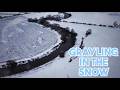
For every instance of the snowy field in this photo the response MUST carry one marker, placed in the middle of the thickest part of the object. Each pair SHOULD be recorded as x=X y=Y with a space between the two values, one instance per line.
x=21 y=39
x=100 y=37
x=8 y=13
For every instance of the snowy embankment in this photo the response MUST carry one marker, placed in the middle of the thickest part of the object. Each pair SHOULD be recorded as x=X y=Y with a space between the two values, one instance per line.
x=100 y=37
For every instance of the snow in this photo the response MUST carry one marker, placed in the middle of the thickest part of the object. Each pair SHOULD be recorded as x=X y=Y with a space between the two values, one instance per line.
x=95 y=17
x=9 y=13
x=39 y=14
x=19 y=41
x=100 y=37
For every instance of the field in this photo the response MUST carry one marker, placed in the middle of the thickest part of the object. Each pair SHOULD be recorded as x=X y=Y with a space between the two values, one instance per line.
x=61 y=67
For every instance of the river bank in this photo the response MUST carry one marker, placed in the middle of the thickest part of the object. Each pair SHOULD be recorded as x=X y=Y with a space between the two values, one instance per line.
x=68 y=38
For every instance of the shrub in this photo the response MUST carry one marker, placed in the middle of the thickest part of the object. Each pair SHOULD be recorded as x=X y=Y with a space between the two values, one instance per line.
x=115 y=24
x=88 y=32
x=62 y=54
x=32 y=20
x=11 y=64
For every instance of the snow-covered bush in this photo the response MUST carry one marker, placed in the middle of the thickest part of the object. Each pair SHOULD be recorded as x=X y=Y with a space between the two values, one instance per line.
x=116 y=25
x=32 y=20
x=88 y=32
x=11 y=64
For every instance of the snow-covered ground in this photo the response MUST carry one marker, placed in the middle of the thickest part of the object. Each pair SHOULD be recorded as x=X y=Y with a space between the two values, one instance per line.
x=106 y=18
x=9 y=13
x=21 y=39
x=38 y=15
x=100 y=37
